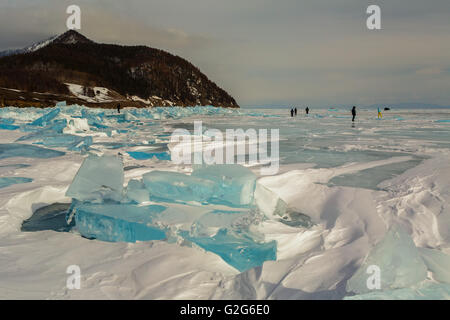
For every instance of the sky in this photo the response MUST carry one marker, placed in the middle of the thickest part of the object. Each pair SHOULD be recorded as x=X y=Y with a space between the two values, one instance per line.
x=267 y=52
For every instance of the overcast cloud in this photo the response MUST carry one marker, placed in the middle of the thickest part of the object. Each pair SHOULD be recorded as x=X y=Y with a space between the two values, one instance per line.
x=316 y=52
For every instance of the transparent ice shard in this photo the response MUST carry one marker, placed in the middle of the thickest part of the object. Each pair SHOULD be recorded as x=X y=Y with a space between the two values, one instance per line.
x=211 y=222
x=71 y=142
x=118 y=222
x=7 y=124
x=10 y=150
x=97 y=179
x=438 y=263
x=137 y=192
x=399 y=262
x=235 y=183
x=238 y=250
x=46 y=118
x=269 y=203
x=139 y=155
x=177 y=186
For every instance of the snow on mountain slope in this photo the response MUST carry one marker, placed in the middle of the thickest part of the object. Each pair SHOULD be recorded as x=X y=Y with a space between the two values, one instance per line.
x=94 y=94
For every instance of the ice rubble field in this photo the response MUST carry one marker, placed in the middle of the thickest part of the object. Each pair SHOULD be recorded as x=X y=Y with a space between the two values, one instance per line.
x=98 y=189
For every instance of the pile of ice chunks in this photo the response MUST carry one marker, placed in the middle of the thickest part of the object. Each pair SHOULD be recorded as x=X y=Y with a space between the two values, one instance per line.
x=402 y=270
x=170 y=205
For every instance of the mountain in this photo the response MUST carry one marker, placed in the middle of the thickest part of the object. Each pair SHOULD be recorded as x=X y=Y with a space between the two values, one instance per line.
x=74 y=68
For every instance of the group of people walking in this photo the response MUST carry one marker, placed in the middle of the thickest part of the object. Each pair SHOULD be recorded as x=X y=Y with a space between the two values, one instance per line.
x=294 y=111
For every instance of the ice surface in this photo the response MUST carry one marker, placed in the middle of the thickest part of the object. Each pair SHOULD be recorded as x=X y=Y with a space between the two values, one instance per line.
x=438 y=263
x=118 y=222
x=139 y=155
x=97 y=179
x=8 y=181
x=235 y=183
x=10 y=150
x=371 y=178
x=71 y=142
x=45 y=119
x=238 y=250
x=137 y=192
x=211 y=222
x=177 y=186
x=8 y=127
x=399 y=261
x=7 y=124
x=268 y=202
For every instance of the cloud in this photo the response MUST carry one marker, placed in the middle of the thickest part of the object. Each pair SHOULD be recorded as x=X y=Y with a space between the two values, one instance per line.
x=430 y=71
x=317 y=52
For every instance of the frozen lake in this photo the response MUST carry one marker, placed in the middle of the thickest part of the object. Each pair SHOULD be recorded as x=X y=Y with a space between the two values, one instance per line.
x=347 y=196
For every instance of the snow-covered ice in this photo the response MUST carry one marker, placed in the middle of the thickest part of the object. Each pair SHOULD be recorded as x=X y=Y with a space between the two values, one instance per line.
x=345 y=198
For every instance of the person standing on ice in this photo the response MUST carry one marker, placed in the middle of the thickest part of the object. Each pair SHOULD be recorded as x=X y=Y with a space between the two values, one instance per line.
x=354 y=113
x=307 y=110
x=118 y=108
x=295 y=111
x=379 y=114
x=292 y=113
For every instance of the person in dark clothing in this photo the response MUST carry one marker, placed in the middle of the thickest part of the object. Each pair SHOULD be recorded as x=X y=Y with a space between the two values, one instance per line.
x=295 y=111
x=118 y=108
x=353 y=113
x=292 y=112
x=307 y=110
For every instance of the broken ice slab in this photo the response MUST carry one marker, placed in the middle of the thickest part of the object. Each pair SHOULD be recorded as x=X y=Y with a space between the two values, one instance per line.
x=137 y=192
x=71 y=142
x=235 y=183
x=269 y=202
x=97 y=179
x=7 y=120
x=118 y=222
x=238 y=250
x=10 y=150
x=177 y=186
x=211 y=222
x=46 y=118
x=139 y=155
x=8 y=127
x=438 y=263
x=9 y=181
x=56 y=127
x=396 y=258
